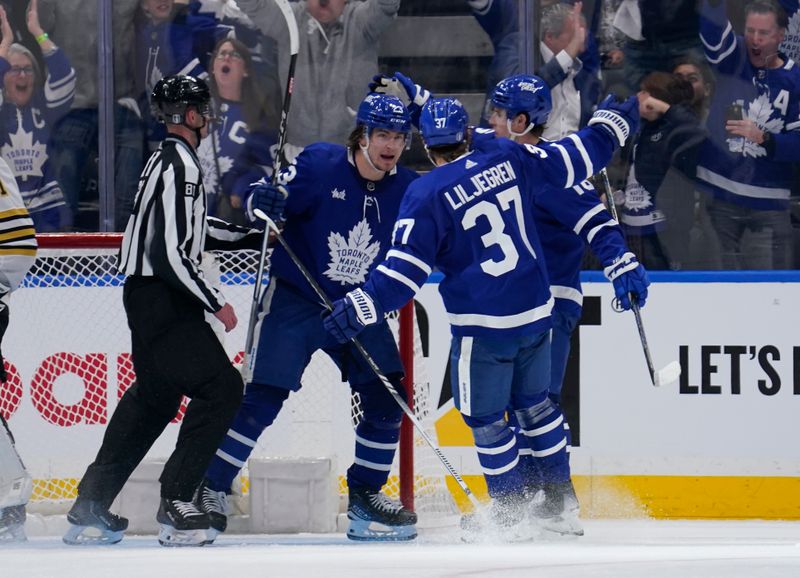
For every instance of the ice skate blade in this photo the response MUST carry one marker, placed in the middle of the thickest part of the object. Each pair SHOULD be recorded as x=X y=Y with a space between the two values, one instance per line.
x=560 y=527
x=371 y=531
x=13 y=534
x=91 y=536
x=211 y=535
x=172 y=538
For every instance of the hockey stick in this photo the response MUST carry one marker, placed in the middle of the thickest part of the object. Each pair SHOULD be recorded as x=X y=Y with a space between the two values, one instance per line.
x=371 y=362
x=672 y=371
x=294 y=45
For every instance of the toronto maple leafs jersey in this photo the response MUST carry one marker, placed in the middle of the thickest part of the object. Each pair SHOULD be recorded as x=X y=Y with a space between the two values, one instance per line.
x=731 y=167
x=567 y=220
x=25 y=133
x=471 y=218
x=338 y=223
x=791 y=41
x=231 y=156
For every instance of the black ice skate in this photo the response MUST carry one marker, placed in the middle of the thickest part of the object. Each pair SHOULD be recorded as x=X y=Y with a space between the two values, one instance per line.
x=92 y=524
x=374 y=517
x=12 y=524
x=558 y=510
x=182 y=524
x=215 y=505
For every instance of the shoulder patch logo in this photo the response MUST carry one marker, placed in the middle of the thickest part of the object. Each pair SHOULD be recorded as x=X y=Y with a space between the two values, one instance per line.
x=351 y=258
x=337 y=194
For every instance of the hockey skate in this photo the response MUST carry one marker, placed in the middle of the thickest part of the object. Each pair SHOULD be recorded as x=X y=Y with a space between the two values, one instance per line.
x=374 y=517
x=182 y=524
x=92 y=524
x=215 y=505
x=558 y=510
x=503 y=521
x=12 y=524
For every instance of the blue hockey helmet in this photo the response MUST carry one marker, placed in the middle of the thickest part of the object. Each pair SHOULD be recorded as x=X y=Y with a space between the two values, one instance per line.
x=383 y=111
x=523 y=93
x=443 y=121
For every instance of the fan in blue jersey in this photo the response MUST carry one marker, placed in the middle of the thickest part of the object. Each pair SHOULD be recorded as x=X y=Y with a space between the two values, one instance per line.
x=171 y=38
x=745 y=166
x=341 y=206
x=470 y=217
x=238 y=150
x=32 y=101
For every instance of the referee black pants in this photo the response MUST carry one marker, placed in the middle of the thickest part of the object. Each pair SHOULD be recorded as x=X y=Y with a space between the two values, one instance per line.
x=175 y=353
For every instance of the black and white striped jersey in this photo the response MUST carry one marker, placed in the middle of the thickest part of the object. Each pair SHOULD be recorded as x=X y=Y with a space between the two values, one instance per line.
x=166 y=233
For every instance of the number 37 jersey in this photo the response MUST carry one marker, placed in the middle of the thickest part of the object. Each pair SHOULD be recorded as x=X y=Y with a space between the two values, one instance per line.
x=473 y=220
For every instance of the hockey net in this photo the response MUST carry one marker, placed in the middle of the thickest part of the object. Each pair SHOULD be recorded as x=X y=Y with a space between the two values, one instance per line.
x=68 y=358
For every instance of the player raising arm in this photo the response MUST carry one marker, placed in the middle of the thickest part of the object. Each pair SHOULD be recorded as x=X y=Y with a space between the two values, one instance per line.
x=470 y=218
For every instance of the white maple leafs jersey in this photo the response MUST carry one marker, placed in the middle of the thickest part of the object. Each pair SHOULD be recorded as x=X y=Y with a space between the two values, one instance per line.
x=733 y=168
x=25 y=133
x=472 y=219
x=338 y=223
x=17 y=236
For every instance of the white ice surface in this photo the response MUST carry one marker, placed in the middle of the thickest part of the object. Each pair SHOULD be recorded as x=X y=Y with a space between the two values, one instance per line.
x=614 y=549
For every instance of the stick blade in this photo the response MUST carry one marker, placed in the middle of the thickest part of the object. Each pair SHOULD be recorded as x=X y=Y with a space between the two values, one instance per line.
x=668 y=374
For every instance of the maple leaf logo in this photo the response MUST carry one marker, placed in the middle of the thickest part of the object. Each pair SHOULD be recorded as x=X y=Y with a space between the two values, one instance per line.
x=637 y=198
x=351 y=259
x=759 y=111
x=25 y=157
x=791 y=41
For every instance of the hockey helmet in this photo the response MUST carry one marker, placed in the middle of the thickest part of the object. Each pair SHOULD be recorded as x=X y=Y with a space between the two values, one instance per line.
x=443 y=121
x=523 y=93
x=383 y=111
x=173 y=95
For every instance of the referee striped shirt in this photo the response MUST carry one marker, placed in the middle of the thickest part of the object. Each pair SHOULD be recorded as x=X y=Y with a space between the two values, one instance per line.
x=166 y=233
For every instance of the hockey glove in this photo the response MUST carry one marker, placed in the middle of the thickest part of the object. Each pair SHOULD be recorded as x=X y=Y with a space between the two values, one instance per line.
x=351 y=314
x=619 y=119
x=630 y=280
x=402 y=87
x=267 y=199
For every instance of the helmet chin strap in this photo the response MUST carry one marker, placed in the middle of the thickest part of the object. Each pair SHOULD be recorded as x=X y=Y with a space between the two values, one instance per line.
x=516 y=135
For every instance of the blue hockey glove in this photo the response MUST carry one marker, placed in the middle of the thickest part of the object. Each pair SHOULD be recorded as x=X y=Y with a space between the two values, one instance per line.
x=619 y=118
x=630 y=280
x=400 y=86
x=268 y=199
x=351 y=314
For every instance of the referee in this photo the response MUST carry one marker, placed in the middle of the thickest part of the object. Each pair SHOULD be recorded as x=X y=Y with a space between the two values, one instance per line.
x=175 y=351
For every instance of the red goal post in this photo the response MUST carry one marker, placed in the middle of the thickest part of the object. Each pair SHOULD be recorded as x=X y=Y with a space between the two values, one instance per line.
x=68 y=356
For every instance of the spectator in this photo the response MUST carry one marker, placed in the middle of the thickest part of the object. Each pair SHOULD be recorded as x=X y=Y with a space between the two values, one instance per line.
x=574 y=90
x=699 y=75
x=746 y=165
x=338 y=56
x=31 y=104
x=238 y=150
x=658 y=31
x=791 y=41
x=170 y=39
x=658 y=209
x=73 y=25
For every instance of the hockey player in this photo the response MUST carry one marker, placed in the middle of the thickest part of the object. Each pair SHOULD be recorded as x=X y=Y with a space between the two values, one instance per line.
x=469 y=218
x=17 y=253
x=175 y=351
x=341 y=206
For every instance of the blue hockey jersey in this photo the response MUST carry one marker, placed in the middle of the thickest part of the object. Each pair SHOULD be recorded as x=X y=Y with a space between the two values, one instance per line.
x=25 y=134
x=338 y=223
x=471 y=218
x=233 y=157
x=568 y=220
x=733 y=168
